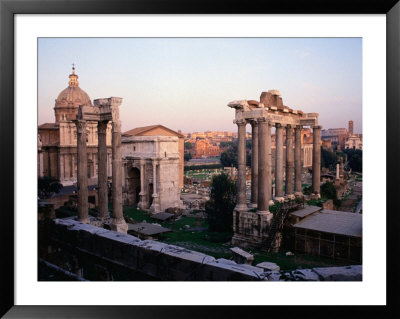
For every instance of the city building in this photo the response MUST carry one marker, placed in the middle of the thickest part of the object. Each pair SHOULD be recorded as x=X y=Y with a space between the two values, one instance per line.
x=341 y=138
x=205 y=148
x=336 y=136
x=351 y=127
x=57 y=141
x=353 y=141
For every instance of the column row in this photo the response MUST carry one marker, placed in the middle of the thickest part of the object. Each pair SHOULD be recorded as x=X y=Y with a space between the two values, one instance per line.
x=261 y=183
x=118 y=222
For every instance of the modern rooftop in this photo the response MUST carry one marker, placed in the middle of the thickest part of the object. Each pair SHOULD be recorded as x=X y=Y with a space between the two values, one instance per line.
x=335 y=222
x=307 y=210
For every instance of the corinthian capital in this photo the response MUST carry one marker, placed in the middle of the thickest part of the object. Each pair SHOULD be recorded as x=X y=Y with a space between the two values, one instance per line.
x=240 y=122
x=102 y=127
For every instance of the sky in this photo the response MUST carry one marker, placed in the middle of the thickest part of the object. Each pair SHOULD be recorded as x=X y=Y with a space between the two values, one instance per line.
x=186 y=83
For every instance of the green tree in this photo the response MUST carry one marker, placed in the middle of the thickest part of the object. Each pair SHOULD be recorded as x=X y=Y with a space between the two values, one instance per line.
x=328 y=191
x=328 y=158
x=187 y=156
x=226 y=144
x=248 y=158
x=219 y=209
x=249 y=144
x=307 y=190
x=354 y=158
x=48 y=185
x=188 y=146
x=230 y=156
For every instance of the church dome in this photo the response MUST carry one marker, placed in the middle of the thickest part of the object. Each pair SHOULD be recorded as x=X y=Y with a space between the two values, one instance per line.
x=73 y=95
x=68 y=101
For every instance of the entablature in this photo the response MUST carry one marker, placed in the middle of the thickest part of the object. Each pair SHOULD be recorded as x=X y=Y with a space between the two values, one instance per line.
x=275 y=115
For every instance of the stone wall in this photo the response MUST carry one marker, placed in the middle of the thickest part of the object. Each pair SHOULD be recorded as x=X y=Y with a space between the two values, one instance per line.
x=168 y=262
x=168 y=187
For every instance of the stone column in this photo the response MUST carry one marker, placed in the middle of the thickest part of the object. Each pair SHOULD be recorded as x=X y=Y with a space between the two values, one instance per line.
x=102 y=175
x=41 y=164
x=289 y=162
x=337 y=171
x=118 y=223
x=61 y=167
x=143 y=196
x=241 y=180
x=155 y=206
x=279 y=163
x=109 y=164
x=341 y=170
x=254 y=164
x=264 y=166
x=40 y=157
x=297 y=158
x=83 y=215
x=316 y=163
x=74 y=160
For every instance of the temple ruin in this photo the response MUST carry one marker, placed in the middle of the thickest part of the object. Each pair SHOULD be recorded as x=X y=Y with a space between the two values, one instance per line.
x=104 y=111
x=251 y=224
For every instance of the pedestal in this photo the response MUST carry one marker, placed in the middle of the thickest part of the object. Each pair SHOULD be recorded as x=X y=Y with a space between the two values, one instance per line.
x=155 y=206
x=119 y=226
x=143 y=201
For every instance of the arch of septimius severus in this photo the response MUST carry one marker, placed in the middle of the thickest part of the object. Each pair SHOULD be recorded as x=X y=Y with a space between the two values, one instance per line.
x=251 y=225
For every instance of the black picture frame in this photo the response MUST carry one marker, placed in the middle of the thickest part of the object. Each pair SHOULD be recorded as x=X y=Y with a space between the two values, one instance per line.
x=9 y=8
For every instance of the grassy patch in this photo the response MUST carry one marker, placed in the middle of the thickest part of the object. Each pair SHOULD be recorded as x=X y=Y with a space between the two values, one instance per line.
x=138 y=215
x=196 y=237
x=207 y=242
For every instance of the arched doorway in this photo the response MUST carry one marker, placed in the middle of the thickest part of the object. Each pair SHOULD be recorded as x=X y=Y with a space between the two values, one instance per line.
x=133 y=186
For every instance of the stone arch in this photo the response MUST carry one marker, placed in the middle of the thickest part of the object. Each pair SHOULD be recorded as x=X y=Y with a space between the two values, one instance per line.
x=133 y=186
